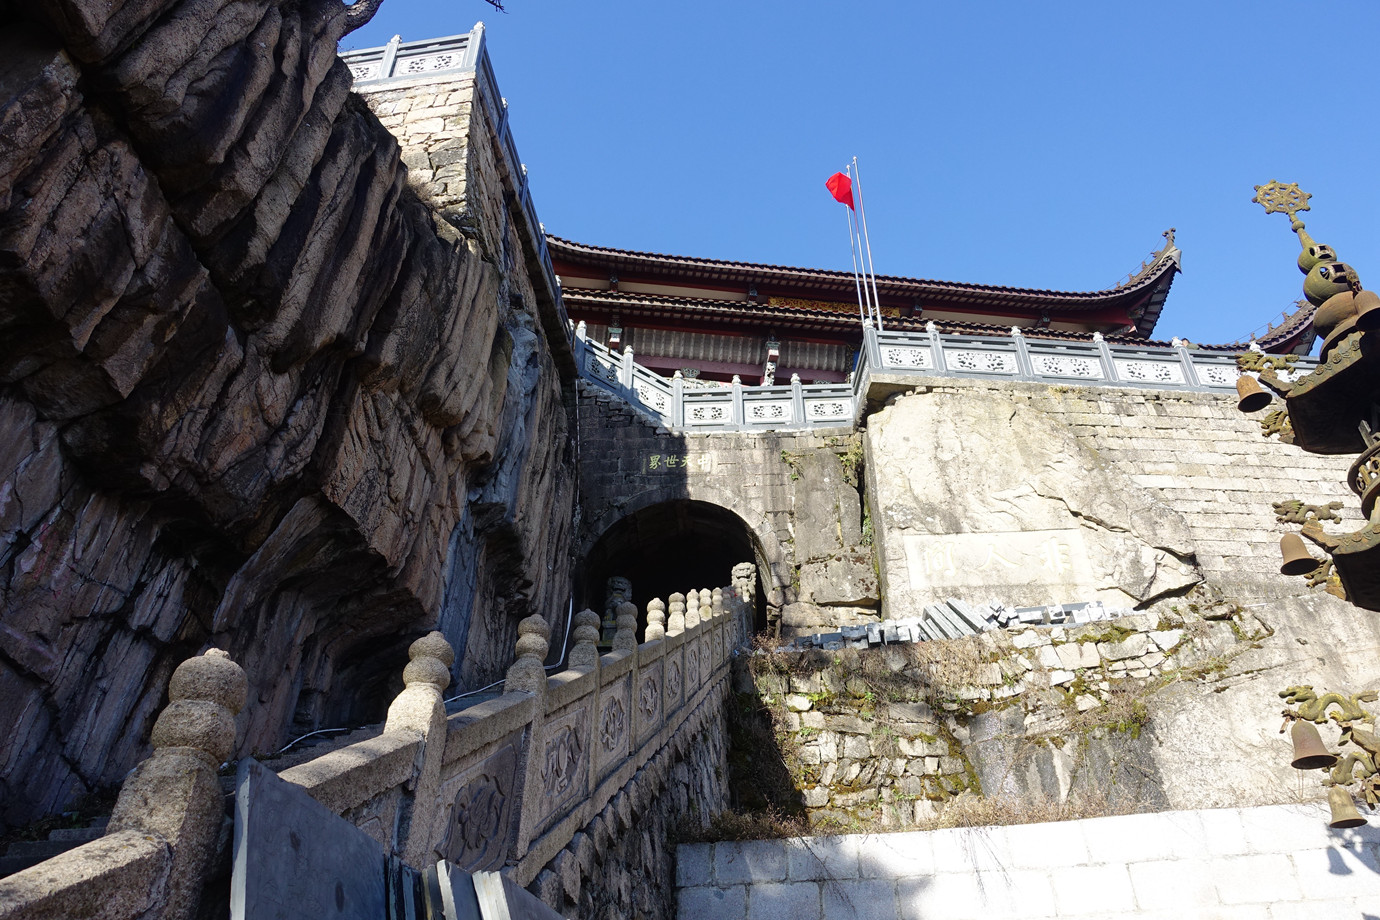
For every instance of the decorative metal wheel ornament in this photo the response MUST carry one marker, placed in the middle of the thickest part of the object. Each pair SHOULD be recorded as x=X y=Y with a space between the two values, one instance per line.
x=1276 y=196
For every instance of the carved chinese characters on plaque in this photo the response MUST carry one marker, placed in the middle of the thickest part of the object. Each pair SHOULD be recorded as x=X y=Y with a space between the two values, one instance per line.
x=477 y=833
x=1040 y=557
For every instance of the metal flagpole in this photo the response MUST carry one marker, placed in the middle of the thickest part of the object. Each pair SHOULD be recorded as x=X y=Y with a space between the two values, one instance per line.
x=853 y=246
x=855 y=230
x=867 y=242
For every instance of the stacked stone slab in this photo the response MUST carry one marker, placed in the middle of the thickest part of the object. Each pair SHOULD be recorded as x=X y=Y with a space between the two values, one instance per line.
x=952 y=620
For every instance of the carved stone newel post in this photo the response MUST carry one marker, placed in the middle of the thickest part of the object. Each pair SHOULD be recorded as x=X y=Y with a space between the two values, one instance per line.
x=675 y=624
x=656 y=619
x=585 y=654
x=626 y=637
x=175 y=794
x=421 y=708
x=528 y=673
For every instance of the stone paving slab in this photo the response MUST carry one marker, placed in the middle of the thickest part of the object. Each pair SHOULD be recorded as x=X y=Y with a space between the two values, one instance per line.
x=1270 y=863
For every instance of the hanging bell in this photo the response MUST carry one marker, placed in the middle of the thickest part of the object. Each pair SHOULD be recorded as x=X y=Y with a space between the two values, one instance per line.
x=1367 y=311
x=1344 y=813
x=1309 y=751
x=1253 y=397
x=1296 y=558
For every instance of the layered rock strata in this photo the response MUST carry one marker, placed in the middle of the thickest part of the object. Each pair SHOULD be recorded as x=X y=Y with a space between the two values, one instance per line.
x=254 y=391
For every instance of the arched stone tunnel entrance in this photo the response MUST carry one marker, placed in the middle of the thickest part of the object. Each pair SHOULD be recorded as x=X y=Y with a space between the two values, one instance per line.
x=670 y=546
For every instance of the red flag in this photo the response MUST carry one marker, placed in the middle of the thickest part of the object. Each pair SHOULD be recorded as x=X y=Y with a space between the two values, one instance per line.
x=841 y=187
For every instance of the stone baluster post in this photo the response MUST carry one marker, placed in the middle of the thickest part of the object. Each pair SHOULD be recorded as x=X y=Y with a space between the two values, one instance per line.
x=656 y=620
x=585 y=654
x=421 y=709
x=527 y=673
x=175 y=794
x=720 y=608
x=692 y=609
x=706 y=604
x=675 y=623
x=626 y=637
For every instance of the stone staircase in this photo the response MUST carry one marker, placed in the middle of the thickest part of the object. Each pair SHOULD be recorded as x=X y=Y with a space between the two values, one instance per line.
x=25 y=853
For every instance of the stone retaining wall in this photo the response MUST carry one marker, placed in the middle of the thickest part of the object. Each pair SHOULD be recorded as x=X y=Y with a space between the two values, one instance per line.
x=1037 y=494
x=1269 y=863
x=1145 y=712
x=888 y=736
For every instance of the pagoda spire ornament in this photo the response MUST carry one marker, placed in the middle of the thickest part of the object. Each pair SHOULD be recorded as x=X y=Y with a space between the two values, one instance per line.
x=1335 y=409
x=1276 y=196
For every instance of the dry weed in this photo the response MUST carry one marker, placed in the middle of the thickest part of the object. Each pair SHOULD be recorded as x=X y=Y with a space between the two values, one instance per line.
x=968 y=810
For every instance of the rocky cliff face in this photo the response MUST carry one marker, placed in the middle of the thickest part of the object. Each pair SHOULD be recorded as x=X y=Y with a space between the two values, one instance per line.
x=250 y=388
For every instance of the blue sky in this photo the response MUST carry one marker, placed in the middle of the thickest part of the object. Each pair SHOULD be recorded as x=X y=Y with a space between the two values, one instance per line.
x=1042 y=145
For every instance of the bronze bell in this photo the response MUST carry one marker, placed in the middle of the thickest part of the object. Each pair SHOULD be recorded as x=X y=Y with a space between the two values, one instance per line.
x=1367 y=311
x=1344 y=813
x=1296 y=558
x=1253 y=397
x=1309 y=751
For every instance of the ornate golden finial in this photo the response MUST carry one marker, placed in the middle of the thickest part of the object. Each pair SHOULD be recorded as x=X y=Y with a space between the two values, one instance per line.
x=1276 y=196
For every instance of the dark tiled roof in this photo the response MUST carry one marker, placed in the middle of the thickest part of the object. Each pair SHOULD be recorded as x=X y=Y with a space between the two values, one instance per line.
x=1145 y=291
x=736 y=312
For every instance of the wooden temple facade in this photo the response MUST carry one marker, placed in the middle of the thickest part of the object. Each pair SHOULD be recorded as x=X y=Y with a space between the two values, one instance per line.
x=713 y=319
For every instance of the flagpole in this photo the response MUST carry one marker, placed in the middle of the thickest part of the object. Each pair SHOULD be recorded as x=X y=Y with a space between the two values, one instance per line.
x=855 y=231
x=853 y=247
x=867 y=242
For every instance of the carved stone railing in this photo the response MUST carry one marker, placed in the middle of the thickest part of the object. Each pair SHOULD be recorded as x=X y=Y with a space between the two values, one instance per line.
x=896 y=358
x=399 y=63
x=502 y=785
x=153 y=859
x=732 y=407
x=505 y=784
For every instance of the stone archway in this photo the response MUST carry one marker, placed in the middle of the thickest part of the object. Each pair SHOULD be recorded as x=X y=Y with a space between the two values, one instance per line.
x=665 y=542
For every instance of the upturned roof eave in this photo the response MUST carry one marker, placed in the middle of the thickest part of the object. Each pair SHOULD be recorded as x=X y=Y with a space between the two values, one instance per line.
x=1142 y=290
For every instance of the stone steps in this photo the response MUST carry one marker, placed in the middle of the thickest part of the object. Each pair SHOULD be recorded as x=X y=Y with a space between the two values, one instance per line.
x=313 y=747
x=23 y=854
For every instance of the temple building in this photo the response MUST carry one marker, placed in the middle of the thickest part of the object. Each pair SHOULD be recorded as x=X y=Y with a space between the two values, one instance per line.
x=714 y=319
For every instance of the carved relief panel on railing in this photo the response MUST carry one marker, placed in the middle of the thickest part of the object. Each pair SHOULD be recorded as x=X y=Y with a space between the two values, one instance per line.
x=692 y=667
x=614 y=731
x=564 y=761
x=647 y=701
x=981 y=362
x=1150 y=371
x=1089 y=368
x=904 y=356
x=480 y=825
x=1217 y=375
x=675 y=677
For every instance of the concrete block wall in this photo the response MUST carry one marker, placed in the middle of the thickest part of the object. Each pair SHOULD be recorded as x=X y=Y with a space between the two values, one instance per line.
x=1267 y=863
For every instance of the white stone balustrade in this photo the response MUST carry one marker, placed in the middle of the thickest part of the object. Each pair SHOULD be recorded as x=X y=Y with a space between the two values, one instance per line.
x=892 y=358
